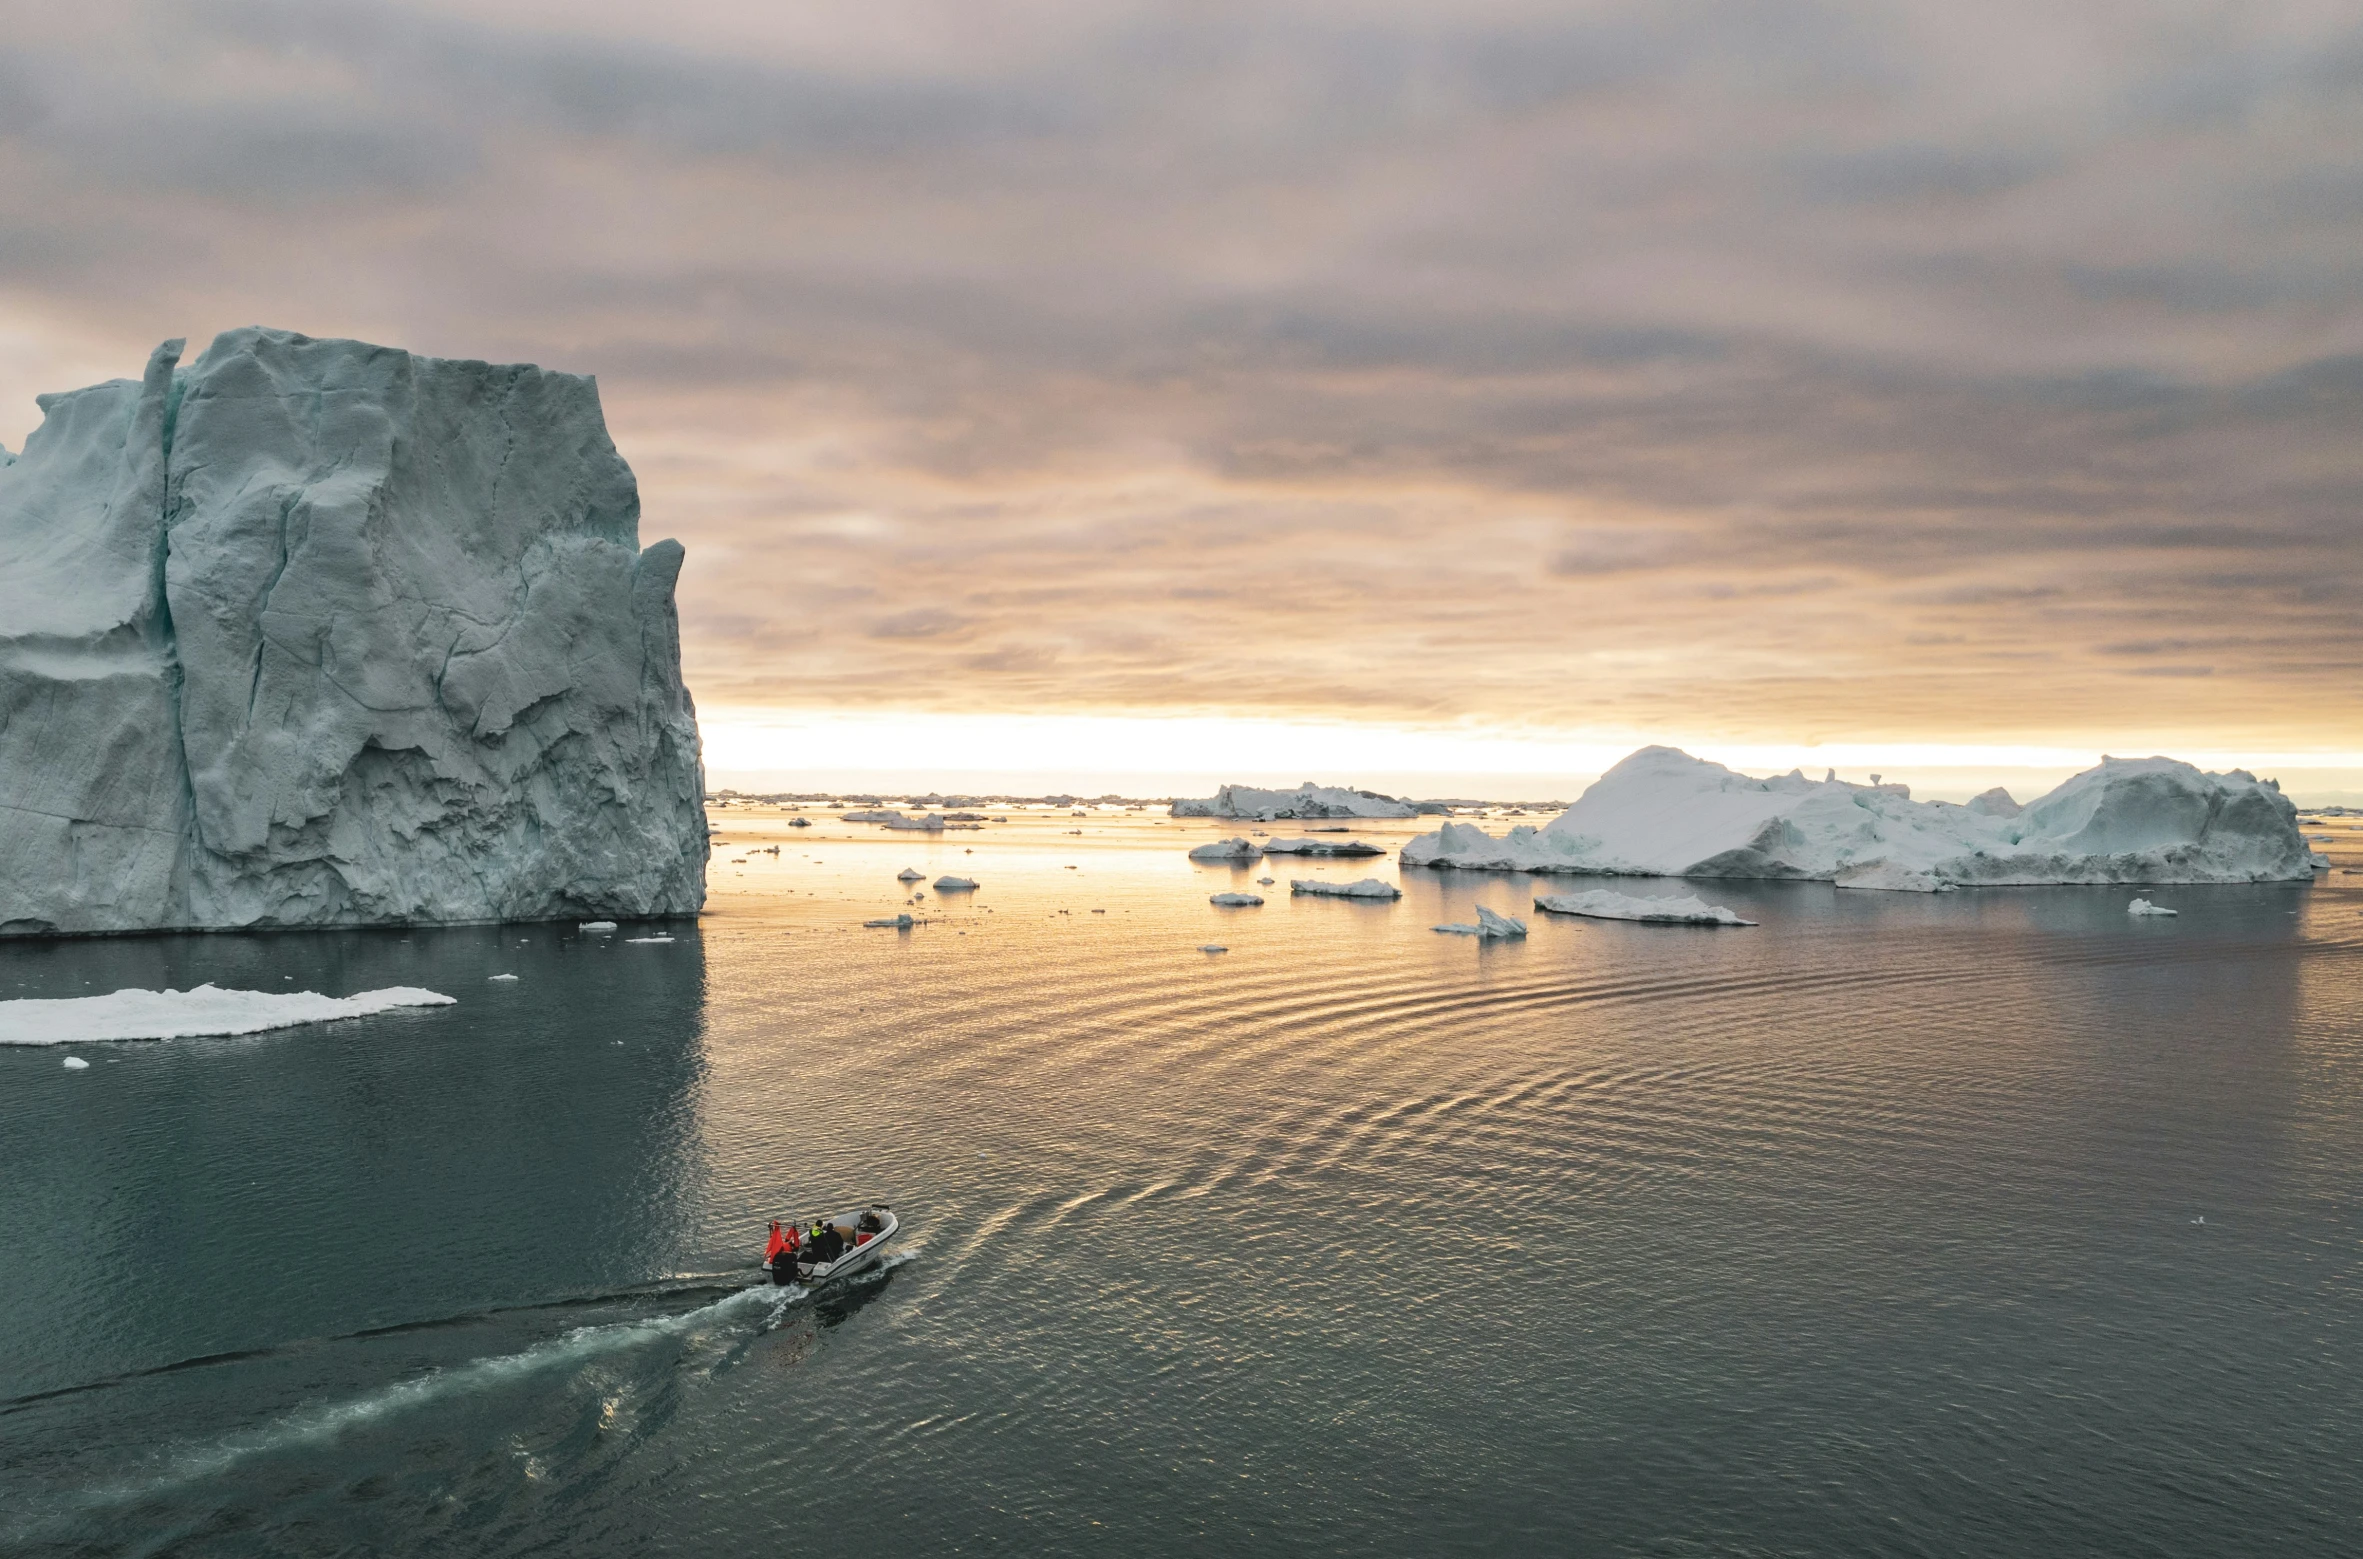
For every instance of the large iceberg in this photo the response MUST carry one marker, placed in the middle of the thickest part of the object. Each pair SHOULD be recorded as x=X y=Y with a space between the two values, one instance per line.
x=1663 y=813
x=1307 y=800
x=321 y=633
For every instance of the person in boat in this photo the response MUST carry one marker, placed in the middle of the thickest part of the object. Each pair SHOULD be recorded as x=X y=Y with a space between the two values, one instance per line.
x=780 y=1253
x=827 y=1244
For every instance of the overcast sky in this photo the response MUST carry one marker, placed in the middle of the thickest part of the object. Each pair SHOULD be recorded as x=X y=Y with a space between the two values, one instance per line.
x=1769 y=371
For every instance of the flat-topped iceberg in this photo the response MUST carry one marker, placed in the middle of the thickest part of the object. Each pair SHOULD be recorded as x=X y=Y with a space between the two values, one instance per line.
x=1488 y=925
x=1340 y=847
x=208 y=1009
x=950 y=884
x=1236 y=900
x=1601 y=904
x=317 y=633
x=1663 y=813
x=1228 y=850
x=1367 y=888
x=1307 y=800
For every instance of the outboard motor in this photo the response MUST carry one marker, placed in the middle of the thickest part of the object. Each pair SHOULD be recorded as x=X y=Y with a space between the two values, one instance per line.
x=783 y=1268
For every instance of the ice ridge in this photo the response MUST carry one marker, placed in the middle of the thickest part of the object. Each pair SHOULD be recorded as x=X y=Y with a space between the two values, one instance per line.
x=1662 y=813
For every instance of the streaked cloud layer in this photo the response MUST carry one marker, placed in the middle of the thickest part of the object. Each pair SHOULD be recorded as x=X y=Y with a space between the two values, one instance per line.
x=1771 y=372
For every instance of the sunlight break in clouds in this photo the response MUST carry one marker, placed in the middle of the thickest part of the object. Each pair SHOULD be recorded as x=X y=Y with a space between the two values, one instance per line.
x=1770 y=375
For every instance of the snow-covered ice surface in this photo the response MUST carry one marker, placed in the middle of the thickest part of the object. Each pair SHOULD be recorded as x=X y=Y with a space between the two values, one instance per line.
x=1601 y=904
x=2145 y=907
x=1488 y=925
x=596 y=925
x=1367 y=888
x=1663 y=813
x=136 y=1014
x=1320 y=847
x=317 y=633
x=1307 y=800
x=1228 y=850
x=1237 y=900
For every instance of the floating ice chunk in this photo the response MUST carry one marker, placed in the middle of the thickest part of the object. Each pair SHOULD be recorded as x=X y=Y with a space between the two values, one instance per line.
x=909 y=874
x=1367 y=888
x=1663 y=813
x=1601 y=904
x=1212 y=947
x=646 y=941
x=894 y=922
x=1489 y=926
x=1228 y=850
x=169 y=1014
x=596 y=925
x=502 y=977
x=77 y=1064
x=1236 y=900
x=2145 y=907
x=955 y=884
x=1307 y=800
x=1320 y=847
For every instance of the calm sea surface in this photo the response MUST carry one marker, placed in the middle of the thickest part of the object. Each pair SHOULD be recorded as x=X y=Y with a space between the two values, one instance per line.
x=1990 y=1223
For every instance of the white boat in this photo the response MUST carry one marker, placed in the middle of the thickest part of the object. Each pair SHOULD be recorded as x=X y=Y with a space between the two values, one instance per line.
x=865 y=1233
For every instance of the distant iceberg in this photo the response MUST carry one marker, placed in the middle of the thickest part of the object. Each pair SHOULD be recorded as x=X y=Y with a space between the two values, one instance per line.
x=1489 y=925
x=2145 y=907
x=954 y=884
x=1228 y=850
x=1320 y=847
x=1307 y=800
x=136 y=1014
x=1236 y=900
x=892 y=922
x=1663 y=813
x=1601 y=904
x=1367 y=888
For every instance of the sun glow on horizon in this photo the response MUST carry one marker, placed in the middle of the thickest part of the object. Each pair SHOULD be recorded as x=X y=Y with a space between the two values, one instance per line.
x=1185 y=753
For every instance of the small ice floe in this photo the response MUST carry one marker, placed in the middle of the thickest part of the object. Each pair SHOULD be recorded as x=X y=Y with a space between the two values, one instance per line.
x=1600 y=904
x=135 y=1014
x=955 y=884
x=1489 y=926
x=909 y=874
x=1263 y=882
x=892 y=923
x=503 y=977
x=1320 y=847
x=596 y=925
x=2145 y=907
x=646 y=941
x=1228 y=850
x=1367 y=888
x=1237 y=900
x=1212 y=947
x=77 y=1064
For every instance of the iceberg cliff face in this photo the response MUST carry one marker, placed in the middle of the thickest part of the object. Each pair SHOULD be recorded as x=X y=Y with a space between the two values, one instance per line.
x=321 y=633
x=1663 y=813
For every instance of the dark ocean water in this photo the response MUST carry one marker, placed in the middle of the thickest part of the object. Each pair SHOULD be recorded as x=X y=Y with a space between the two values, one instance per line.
x=1872 y=1230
